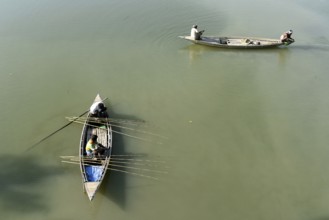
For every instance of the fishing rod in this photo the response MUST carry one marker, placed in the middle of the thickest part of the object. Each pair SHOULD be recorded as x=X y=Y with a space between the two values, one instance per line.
x=123 y=171
x=117 y=126
x=131 y=136
x=61 y=128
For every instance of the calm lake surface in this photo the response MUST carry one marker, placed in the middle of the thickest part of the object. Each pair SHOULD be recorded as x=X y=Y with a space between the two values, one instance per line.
x=244 y=134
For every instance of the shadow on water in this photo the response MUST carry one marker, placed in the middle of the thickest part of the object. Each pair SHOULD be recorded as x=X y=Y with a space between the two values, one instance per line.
x=115 y=183
x=21 y=177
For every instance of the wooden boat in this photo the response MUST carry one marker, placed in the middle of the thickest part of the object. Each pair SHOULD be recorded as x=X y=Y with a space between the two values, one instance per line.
x=238 y=42
x=93 y=170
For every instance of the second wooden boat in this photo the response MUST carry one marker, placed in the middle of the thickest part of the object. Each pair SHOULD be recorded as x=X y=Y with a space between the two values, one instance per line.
x=239 y=42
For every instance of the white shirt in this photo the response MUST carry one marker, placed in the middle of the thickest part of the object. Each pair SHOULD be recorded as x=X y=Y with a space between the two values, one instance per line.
x=194 y=33
x=94 y=108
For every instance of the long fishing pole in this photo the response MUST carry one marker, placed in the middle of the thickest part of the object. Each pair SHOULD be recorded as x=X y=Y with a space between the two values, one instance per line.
x=123 y=171
x=122 y=166
x=112 y=120
x=151 y=164
x=137 y=164
x=120 y=163
x=131 y=136
x=48 y=136
x=123 y=127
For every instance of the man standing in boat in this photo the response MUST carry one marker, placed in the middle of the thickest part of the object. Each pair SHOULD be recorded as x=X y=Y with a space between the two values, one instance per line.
x=195 y=34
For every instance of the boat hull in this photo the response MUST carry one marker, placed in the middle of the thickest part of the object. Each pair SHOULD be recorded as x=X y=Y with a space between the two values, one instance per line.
x=238 y=42
x=93 y=170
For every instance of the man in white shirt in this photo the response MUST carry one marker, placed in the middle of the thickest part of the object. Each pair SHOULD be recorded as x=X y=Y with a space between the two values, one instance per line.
x=98 y=109
x=286 y=36
x=195 y=34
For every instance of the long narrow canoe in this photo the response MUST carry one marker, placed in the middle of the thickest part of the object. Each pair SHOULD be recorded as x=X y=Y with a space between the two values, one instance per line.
x=238 y=42
x=93 y=170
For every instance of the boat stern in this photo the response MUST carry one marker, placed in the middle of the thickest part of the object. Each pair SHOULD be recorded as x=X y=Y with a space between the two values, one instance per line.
x=91 y=188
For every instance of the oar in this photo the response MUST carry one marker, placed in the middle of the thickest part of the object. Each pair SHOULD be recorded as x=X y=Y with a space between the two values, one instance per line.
x=48 y=136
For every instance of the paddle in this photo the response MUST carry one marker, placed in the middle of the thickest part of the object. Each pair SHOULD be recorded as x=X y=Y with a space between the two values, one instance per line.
x=48 y=136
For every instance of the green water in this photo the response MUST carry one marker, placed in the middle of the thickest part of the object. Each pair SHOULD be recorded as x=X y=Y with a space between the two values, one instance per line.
x=246 y=131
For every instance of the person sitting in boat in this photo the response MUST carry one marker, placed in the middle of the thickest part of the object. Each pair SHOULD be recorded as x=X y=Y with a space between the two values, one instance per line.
x=286 y=37
x=195 y=34
x=98 y=109
x=93 y=148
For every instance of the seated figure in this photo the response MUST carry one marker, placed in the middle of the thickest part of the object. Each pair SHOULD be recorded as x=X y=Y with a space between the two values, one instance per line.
x=195 y=34
x=98 y=109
